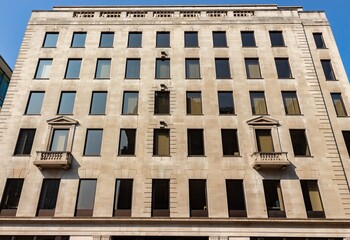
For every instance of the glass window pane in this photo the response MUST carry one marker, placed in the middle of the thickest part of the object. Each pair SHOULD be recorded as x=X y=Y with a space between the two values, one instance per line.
x=130 y=102
x=50 y=40
x=346 y=136
x=264 y=140
x=12 y=194
x=103 y=68
x=226 y=103
x=273 y=195
x=59 y=140
x=66 y=103
x=24 y=141
x=107 y=39
x=163 y=39
x=235 y=195
x=258 y=103
x=283 y=68
x=328 y=70
x=35 y=102
x=299 y=142
x=162 y=103
x=160 y=194
x=194 y=102
x=222 y=67
x=248 y=39
x=219 y=39
x=127 y=142
x=192 y=68
x=135 y=40
x=229 y=142
x=98 y=103
x=276 y=38
x=319 y=40
x=191 y=39
x=290 y=102
x=73 y=68
x=86 y=195
x=198 y=194
x=338 y=104
x=161 y=142
x=93 y=142
x=252 y=68
x=44 y=68
x=132 y=68
x=195 y=142
x=123 y=194
x=49 y=193
x=163 y=68
x=311 y=195
x=78 y=39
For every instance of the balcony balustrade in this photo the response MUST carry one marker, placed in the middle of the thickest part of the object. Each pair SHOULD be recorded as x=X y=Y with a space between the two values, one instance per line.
x=47 y=159
x=270 y=160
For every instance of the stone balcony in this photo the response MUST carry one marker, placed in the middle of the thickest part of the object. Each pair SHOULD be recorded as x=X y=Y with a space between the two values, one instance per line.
x=47 y=159
x=270 y=160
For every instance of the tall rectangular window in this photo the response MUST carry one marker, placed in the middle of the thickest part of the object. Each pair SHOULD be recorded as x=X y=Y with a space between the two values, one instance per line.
x=123 y=197
x=103 y=68
x=43 y=69
x=319 y=40
x=226 y=103
x=107 y=39
x=219 y=39
x=276 y=38
x=48 y=197
x=160 y=198
x=11 y=196
x=161 y=142
x=59 y=140
x=73 y=68
x=194 y=103
x=198 y=198
x=328 y=70
x=132 y=70
x=195 y=142
x=283 y=68
x=229 y=142
x=135 y=40
x=50 y=40
x=274 y=199
x=299 y=142
x=24 y=141
x=252 y=67
x=192 y=68
x=35 y=102
x=127 y=142
x=339 y=104
x=346 y=135
x=264 y=140
x=163 y=40
x=312 y=199
x=66 y=104
x=163 y=68
x=248 y=39
x=130 y=103
x=290 y=102
x=78 y=40
x=162 y=102
x=222 y=68
x=98 y=103
x=86 y=198
x=258 y=103
x=235 y=198
x=93 y=142
x=191 y=39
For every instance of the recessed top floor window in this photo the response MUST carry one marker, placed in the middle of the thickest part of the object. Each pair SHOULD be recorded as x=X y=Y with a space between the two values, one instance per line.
x=98 y=103
x=132 y=70
x=24 y=142
x=229 y=142
x=35 y=101
x=43 y=70
x=135 y=40
x=219 y=39
x=299 y=142
x=222 y=68
x=78 y=40
x=258 y=103
x=194 y=103
x=192 y=68
x=93 y=142
x=328 y=70
x=11 y=196
x=235 y=198
x=346 y=136
x=276 y=38
x=339 y=104
x=86 y=197
x=161 y=142
x=103 y=68
x=264 y=140
x=130 y=103
x=73 y=68
x=198 y=198
x=160 y=198
x=248 y=39
x=123 y=197
x=274 y=199
x=107 y=39
x=163 y=40
x=127 y=142
x=191 y=39
x=50 y=40
x=226 y=105
x=319 y=40
x=162 y=102
x=66 y=104
x=162 y=68
x=48 y=197
x=252 y=67
x=290 y=102
x=59 y=140
x=195 y=142
x=312 y=199
x=283 y=68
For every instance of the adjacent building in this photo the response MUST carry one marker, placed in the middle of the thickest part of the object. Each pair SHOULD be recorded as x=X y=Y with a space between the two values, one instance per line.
x=176 y=122
x=5 y=75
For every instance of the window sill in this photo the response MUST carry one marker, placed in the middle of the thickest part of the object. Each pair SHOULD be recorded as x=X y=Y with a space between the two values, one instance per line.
x=129 y=114
x=220 y=46
x=192 y=114
x=278 y=46
x=33 y=114
x=322 y=48
x=193 y=78
x=286 y=78
x=21 y=155
x=163 y=47
x=126 y=155
x=255 y=78
x=342 y=116
x=249 y=46
x=227 y=156
x=132 y=78
x=91 y=155
x=102 y=78
x=227 y=114
x=162 y=78
x=161 y=156
x=76 y=47
x=49 y=47
x=41 y=78
x=102 y=114
x=71 y=78
x=191 y=47
x=332 y=80
x=303 y=156
x=64 y=114
x=230 y=78
x=293 y=115
x=196 y=156
x=260 y=114
x=134 y=47
x=106 y=47
x=162 y=114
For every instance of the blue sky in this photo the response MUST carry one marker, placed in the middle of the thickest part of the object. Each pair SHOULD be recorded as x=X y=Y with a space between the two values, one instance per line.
x=16 y=13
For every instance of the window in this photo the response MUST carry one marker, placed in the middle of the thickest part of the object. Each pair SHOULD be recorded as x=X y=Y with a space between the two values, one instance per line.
x=328 y=70
x=191 y=39
x=103 y=68
x=346 y=135
x=319 y=40
x=50 y=40
x=127 y=142
x=24 y=141
x=290 y=102
x=219 y=39
x=160 y=198
x=135 y=40
x=162 y=102
x=252 y=68
x=299 y=142
x=86 y=197
x=132 y=68
x=264 y=140
x=59 y=140
x=276 y=38
x=283 y=68
x=274 y=199
x=106 y=40
x=163 y=39
x=93 y=142
x=98 y=103
x=48 y=197
x=123 y=197
x=198 y=198
x=11 y=196
x=226 y=103
x=194 y=103
x=73 y=68
x=229 y=142
x=192 y=68
x=312 y=199
x=195 y=143
x=66 y=104
x=78 y=40
x=161 y=142
x=163 y=68
x=248 y=39
x=235 y=198
x=222 y=68
x=35 y=102
x=43 y=69
x=258 y=103
x=338 y=104
x=130 y=103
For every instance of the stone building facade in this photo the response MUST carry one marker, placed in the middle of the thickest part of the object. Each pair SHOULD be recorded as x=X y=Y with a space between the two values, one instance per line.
x=176 y=122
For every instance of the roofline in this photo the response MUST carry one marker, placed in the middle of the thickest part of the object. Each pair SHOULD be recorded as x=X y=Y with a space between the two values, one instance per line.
x=165 y=6
x=1 y=58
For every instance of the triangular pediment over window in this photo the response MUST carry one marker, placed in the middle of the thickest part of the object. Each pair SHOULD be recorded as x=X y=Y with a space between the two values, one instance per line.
x=62 y=120
x=263 y=120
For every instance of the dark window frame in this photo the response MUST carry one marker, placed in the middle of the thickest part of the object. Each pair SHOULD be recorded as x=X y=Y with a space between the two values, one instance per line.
x=187 y=71
x=158 y=36
x=138 y=45
x=248 y=74
x=72 y=42
x=157 y=106
x=92 y=101
x=110 y=67
x=85 y=212
x=194 y=192
x=296 y=144
x=346 y=137
x=60 y=102
x=190 y=152
x=36 y=77
x=277 y=44
x=280 y=72
x=123 y=210
x=330 y=74
x=29 y=100
x=160 y=211
x=253 y=107
x=305 y=187
x=236 y=206
x=297 y=109
x=48 y=210
x=227 y=148
x=85 y=143
x=67 y=66
x=30 y=146
x=275 y=209
x=319 y=40
x=187 y=40
x=219 y=76
x=158 y=76
x=101 y=40
x=338 y=96
x=156 y=133
x=124 y=102
x=5 y=209
x=128 y=61
x=244 y=36
x=45 y=38
x=230 y=110
x=189 y=110
x=219 y=39
x=133 y=152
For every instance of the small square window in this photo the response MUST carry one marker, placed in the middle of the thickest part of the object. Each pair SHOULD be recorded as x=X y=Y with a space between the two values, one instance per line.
x=86 y=198
x=106 y=40
x=192 y=68
x=130 y=103
x=163 y=40
x=198 y=198
x=66 y=104
x=48 y=197
x=132 y=70
x=319 y=40
x=50 y=40
x=258 y=103
x=195 y=142
x=162 y=68
x=226 y=103
x=274 y=199
x=160 y=198
x=161 y=142
x=328 y=70
x=283 y=68
x=219 y=39
x=35 y=102
x=299 y=142
x=229 y=142
x=98 y=103
x=194 y=103
x=162 y=102
x=43 y=69
x=93 y=142
x=191 y=39
x=252 y=67
x=339 y=104
x=248 y=39
x=312 y=199
x=78 y=40
x=73 y=68
x=24 y=142
x=276 y=38
x=135 y=40
x=222 y=68
x=127 y=142
x=123 y=197
x=11 y=196
x=264 y=140
x=290 y=102
x=103 y=68
x=235 y=198
x=346 y=135
x=59 y=140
